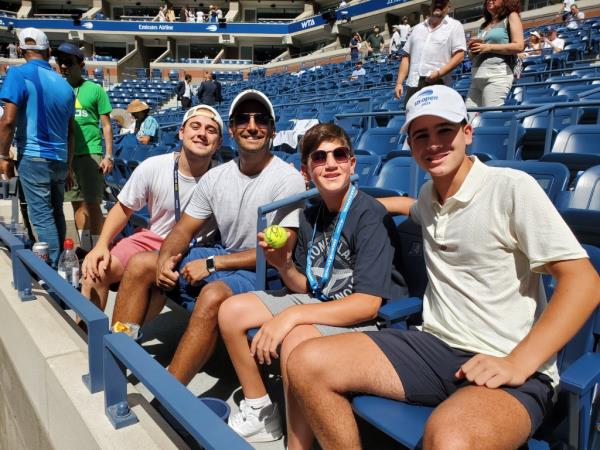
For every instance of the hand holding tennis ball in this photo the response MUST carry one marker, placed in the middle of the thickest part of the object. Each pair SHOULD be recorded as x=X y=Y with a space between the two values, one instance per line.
x=275 y=236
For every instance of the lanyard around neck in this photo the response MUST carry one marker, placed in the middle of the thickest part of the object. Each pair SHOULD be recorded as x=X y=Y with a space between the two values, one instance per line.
x=176 y=187
x=315 y=286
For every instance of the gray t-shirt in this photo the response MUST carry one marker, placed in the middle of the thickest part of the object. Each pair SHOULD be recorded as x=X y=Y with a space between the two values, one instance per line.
x=233 y=198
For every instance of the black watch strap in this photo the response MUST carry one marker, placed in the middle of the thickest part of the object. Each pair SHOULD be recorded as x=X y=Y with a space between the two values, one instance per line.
x=210 y=264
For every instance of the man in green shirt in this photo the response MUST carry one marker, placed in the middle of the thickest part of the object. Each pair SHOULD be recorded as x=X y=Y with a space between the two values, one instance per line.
x=375 y=41
x=89 y=165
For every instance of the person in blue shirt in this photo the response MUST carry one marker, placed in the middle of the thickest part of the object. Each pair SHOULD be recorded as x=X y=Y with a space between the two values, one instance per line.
x=146 y=129
x=40 y=105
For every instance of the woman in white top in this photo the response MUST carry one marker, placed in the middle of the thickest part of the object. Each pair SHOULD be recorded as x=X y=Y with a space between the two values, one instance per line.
x=199 y=16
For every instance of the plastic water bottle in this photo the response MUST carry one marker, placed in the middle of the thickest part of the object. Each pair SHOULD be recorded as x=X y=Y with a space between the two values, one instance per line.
x=68 y=264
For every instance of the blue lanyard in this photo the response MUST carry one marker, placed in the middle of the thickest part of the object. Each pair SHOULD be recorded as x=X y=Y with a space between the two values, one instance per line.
x=315 y=286
x=176 y=188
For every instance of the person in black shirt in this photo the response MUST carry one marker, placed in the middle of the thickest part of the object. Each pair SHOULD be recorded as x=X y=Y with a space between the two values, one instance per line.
x=336 y=278
x=209 y=92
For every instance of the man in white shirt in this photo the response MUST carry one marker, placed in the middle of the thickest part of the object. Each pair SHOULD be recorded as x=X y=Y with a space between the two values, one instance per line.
x=404 y=29
x=395 y=42
x=574 y=17
x=566 y=9
x=152 y=184
x=554 y=42
x=486 y=352
x=359 y=71
x=434 y=49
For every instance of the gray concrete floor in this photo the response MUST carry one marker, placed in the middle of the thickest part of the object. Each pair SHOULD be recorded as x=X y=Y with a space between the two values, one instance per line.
x=217 y=378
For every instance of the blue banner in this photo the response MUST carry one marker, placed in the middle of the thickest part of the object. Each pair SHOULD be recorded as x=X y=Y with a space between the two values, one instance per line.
x=206 y=27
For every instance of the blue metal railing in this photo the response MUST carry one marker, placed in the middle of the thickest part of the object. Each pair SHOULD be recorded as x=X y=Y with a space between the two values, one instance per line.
x=120 y=353
x=24 y=263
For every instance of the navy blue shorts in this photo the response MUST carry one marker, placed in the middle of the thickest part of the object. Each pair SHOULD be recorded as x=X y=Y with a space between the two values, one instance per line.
x=239 y=281
x=426 y=366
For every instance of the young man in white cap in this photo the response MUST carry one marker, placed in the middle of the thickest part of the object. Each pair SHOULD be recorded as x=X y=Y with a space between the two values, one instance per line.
x=206 y=276
x=487 y=346
x=40 y=105
x=152 y=184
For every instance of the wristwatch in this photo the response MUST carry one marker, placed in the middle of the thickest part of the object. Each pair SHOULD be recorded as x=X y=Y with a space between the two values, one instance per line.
x=210 y=265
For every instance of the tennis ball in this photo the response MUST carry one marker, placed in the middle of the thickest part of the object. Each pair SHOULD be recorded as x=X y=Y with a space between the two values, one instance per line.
x=275 y=236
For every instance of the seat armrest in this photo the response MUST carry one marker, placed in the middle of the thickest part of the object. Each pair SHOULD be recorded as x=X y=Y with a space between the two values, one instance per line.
x=400 y=309
x=582 y=375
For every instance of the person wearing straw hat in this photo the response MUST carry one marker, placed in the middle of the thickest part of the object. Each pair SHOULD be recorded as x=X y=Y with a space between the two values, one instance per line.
x=44 y=134
x=152 y=184
x=146 y=128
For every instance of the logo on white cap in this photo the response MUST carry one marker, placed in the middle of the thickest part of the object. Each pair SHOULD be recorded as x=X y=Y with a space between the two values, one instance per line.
x=440 y=101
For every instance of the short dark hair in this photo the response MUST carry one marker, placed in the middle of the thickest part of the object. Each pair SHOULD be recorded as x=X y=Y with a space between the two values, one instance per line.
x=213 y=76
x=188 y=76
x=323 y=132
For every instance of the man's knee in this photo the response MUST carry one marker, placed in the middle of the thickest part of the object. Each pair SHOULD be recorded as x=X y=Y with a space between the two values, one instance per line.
x=210 y=299
x=229 y=309
x=449 y=435
x=142 y=266
x=297 y=336
x=305 y=364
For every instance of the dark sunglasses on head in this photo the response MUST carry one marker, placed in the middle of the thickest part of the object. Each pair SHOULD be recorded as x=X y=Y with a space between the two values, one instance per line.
x=340 y=154
x=241 y=120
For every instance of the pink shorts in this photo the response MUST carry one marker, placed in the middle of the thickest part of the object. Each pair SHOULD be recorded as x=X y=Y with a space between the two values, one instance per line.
x=140 y=241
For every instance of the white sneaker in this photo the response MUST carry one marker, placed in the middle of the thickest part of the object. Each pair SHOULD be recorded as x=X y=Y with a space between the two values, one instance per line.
x=257 y=425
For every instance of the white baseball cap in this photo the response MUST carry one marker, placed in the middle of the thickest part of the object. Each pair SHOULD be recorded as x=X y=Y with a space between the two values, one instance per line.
x=39 y=37
x=205 y=111
x=252 y=94
x=437 y=100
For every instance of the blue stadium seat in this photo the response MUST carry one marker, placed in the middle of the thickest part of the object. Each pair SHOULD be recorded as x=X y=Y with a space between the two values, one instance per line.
x=576 y=147
x=367 y=168
x=379 y=141
x=493 y=119
x=398 y=176
x=492 y=143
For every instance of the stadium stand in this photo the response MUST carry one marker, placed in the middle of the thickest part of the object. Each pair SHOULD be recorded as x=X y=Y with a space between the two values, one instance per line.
x=550 y=129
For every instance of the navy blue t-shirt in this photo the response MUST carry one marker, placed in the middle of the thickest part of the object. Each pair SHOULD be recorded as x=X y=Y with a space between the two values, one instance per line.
x=365 y=256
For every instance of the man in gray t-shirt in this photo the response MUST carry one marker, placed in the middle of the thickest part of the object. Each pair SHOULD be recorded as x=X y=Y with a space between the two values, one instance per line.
x=231 y=193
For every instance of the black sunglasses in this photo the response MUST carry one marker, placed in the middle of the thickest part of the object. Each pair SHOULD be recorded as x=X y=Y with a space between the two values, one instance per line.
x=340 y=154
x=241 y=120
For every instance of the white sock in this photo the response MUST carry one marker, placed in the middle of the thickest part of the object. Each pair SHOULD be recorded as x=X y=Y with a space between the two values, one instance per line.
x=258 y=403
x=85 y=240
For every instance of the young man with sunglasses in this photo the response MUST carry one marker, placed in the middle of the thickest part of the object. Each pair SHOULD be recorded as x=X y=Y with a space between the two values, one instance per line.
x=89 y=165
x=203 y=277
x=335 y=278
x=151 y=184
x=486 y=351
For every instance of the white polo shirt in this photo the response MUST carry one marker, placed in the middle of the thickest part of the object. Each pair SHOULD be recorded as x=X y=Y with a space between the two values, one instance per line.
x=485 y=251
x=431 y=48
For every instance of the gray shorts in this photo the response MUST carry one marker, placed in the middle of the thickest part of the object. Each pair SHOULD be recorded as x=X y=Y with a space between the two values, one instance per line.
x=278 y=301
